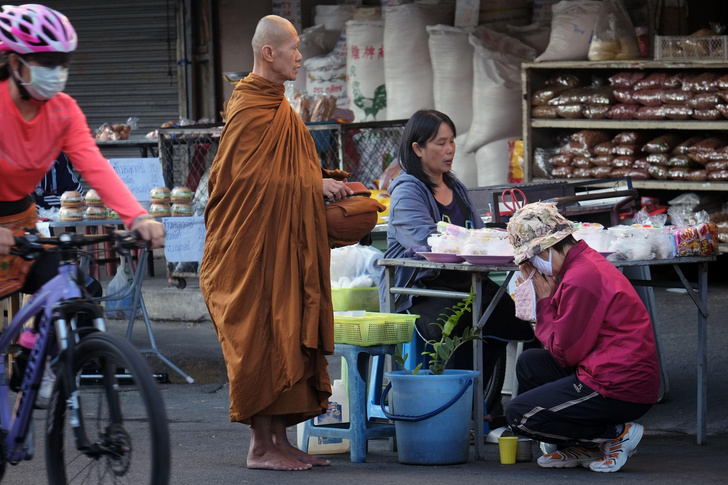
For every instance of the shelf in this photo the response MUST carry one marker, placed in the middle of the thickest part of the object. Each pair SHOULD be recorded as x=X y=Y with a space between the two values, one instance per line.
x=583 y=124
x=638 y=64
x=681 y=185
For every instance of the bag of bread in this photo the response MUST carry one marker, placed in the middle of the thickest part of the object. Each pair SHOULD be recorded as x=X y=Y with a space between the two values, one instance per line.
x=614 y=35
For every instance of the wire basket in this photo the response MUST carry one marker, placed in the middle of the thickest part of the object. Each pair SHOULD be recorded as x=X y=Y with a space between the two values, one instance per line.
x=374 y=329
x=681 y=47
x=345 y=299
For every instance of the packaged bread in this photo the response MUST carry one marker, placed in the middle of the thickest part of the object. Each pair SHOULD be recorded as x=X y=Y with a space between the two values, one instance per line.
x=323 y=108
x=548 y=112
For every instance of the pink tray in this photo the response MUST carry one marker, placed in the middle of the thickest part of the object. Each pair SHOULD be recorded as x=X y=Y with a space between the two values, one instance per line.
x=441 y=257
x=487 y=259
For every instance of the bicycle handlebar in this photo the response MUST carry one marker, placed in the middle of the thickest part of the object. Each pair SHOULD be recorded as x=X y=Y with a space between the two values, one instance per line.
x=32 y=245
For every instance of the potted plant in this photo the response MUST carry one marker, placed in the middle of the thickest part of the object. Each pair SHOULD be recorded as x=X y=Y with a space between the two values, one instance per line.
x=436 y=403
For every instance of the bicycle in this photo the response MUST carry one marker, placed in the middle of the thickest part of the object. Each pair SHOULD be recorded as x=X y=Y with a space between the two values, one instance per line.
x=104 y=393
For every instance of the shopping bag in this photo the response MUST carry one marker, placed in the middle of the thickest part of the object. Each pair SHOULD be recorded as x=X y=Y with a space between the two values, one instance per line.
x=119 y=304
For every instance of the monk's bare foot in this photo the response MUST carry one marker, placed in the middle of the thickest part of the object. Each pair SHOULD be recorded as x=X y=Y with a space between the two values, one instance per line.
x=274 y=459
x=301 y=456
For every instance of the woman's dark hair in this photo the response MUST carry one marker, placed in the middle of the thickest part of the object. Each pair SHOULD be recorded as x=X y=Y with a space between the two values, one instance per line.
x=422 y=128
x=4 y=69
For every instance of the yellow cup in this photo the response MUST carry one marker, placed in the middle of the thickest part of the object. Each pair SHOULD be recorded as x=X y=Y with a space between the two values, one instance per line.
x=507 y=446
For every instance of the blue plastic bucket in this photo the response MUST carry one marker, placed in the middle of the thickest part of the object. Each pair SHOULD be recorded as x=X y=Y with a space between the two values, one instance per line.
x=432 y=415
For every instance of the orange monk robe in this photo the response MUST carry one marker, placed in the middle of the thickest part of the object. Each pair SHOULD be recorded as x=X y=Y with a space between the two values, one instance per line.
x=265 y=270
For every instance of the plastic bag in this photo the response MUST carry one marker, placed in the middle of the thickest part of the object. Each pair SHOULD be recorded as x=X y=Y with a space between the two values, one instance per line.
x=614 y=35
x=355 y=265
x=119 y=286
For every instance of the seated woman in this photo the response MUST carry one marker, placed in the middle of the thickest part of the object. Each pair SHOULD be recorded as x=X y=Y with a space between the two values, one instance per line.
x=424 y=193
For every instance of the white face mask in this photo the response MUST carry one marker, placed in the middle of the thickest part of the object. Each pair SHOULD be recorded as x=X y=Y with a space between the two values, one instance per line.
x=45 y=82
x=543 y=267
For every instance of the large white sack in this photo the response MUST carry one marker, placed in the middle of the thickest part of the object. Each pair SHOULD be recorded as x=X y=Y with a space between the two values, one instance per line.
x=311 y=45
x=452 y=71
x=333 y=18
x=497 y=110
x=407 y=65
x=365 y=70
x=463 y=163
x=536 y=35
x=572 y=25
x=542 y=10
x=326 y=75
x=492 y=163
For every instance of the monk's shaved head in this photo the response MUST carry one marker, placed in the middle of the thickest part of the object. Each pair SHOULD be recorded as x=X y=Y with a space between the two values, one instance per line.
x=271 y=30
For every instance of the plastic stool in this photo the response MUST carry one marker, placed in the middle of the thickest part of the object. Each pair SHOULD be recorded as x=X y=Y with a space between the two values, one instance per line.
x=359 y=429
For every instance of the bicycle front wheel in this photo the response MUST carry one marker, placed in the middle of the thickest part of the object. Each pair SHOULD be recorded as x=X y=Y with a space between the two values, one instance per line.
x=121 y=415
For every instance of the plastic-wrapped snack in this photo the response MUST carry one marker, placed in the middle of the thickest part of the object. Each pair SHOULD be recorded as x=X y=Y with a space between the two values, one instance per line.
x=657 y=159
x=590 y=138
x=638 y=174
x=544 y=112
x=543 y=96
x=717 y=165
x=707 y=114
x=722 y=109
x=701 y=156
x=648 y=97
x=571 y=96
x=663 y=144
x=710 y=143
x=623 y=161
x=684 y=147
x=602 y=161
x=568 y=80
x=697 y=175
x=602 y=172
x=581 y=162
x=301 y=104
x=323 y=108
x=720 y=154
x=627 y=79
x=701 y=83
x=679 y=161
x=650 y=113
x=542 y=166
x=595 y=111
x=704 y=100
x=602 y=95
x=677 y=111
x=722 y=82
x=624 y=95
x=604 y=148
x=677 y=173
x=675 y=80
x=575 y=148
x=657 y=172
x=622 y=112
x=570 y=111
x=631 y=138
x=653 y=80
x=641 y=164
x=563 y=172
x=626 y=149
x=718 y=176
x=561 y=160
x=619 y=172
x=723 y=95
x=582 y=173
x=675 y=96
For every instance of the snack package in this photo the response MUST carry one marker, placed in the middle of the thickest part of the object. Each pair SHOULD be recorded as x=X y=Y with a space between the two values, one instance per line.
x=693 y=233
x=614 y=36
x=515 y=161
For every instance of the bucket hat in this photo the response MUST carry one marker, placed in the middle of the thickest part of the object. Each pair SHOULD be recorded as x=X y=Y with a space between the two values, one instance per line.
x=536 y=227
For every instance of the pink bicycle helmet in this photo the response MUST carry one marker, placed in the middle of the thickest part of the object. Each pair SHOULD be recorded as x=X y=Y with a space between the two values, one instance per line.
x=32 y=28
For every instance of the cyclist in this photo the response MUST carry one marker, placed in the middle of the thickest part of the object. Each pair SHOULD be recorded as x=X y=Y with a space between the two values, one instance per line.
x=38 y=122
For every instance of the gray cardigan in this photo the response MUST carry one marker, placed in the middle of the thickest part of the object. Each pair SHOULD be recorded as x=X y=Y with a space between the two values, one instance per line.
x=413 y=217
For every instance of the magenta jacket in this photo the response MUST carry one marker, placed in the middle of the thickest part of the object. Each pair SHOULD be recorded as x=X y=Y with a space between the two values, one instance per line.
x=597 y=323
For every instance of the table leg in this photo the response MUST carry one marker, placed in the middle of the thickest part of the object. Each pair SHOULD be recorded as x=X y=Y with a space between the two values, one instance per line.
x=702 y=352
x=477 y=280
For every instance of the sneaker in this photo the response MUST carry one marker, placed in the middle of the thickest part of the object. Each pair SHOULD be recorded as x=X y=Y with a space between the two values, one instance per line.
x=43 y=398
x=570 y=457
x=621 y=448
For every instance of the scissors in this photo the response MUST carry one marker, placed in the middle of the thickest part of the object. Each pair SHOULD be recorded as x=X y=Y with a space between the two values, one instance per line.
x=514 y=203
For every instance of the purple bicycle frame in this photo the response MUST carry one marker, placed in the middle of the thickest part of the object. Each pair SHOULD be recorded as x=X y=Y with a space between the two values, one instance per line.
x=61 y=287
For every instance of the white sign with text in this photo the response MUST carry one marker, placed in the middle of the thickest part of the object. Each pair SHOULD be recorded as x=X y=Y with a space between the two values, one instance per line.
x=184 y=238
x=139 y=174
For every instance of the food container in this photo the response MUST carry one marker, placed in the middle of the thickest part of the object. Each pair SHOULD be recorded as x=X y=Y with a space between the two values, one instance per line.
x=369 y=328
x=346 y=299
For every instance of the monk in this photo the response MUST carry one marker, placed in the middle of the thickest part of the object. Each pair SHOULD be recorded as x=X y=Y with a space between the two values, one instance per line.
x=265 y=270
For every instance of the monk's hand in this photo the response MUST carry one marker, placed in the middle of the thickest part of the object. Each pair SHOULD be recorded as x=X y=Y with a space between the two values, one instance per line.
x=335 y=190
x=150 y=230
x=7 y=241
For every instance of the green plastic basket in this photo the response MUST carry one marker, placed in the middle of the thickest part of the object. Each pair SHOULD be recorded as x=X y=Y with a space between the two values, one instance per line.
x=374 y=329
x=347 y=299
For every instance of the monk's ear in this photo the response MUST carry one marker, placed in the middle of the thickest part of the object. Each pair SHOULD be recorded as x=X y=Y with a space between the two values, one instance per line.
x=267 y=53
